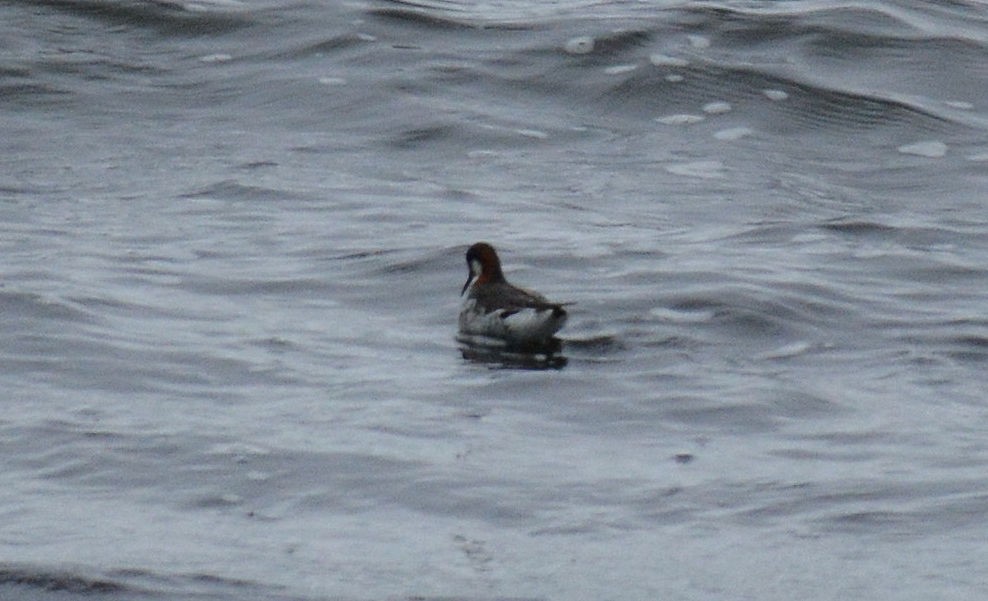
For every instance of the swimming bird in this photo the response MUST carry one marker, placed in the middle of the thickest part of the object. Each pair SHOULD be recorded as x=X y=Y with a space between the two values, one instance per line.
x=493 y=308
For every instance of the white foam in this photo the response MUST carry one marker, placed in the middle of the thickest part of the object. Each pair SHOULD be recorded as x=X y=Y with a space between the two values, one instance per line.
x=682 y=119
x=532 y=133
x=979 y=157
x=699 y=41
x=932 y=149
x=702 y=169
x=618 y=69
x=810 y=238
x=674 y=77
x=238 y=449
x=717 y=108
x=580 y=45
x=332 y=81
x=959 y=104
x=788 y=351
x=674 y=316
x=207 y=5
x=775 y=95
x=734 y=133
x=664 y=60
x=215 y=58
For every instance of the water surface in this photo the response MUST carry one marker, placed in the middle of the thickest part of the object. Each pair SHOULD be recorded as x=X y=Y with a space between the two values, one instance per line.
x=233 y=238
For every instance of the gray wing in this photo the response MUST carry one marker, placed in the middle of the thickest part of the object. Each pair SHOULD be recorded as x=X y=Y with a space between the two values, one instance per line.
x=513 y=299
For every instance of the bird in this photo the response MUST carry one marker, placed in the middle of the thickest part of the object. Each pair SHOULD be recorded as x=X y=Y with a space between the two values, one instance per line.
x=494 y=309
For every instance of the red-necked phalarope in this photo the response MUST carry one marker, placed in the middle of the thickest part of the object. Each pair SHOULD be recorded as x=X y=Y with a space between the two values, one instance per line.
x=494 y=308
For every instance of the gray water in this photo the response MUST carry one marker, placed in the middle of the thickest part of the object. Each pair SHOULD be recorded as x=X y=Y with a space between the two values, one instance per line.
x=233 y=234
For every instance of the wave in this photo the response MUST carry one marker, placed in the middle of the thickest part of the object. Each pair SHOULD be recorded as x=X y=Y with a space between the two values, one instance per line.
x=65 y=582
x=846 y=66
x=30 y=581
x=172 y=17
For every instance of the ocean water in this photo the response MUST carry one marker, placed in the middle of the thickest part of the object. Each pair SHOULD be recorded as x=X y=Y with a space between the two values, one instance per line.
x=233 y=233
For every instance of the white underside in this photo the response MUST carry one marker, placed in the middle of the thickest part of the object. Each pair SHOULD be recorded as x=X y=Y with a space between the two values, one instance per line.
x=527 y=326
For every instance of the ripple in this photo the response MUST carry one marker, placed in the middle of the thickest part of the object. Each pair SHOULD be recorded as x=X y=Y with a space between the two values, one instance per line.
x=31 y=306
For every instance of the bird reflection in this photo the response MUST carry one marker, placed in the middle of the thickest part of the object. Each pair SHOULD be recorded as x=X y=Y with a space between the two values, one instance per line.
x=495 y=353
